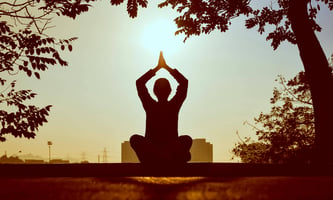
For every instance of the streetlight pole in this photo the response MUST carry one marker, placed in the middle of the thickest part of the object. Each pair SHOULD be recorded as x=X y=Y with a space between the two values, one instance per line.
x=49 y=143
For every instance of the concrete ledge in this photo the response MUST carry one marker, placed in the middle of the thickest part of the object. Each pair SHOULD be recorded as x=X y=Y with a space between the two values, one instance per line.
x=137 y=169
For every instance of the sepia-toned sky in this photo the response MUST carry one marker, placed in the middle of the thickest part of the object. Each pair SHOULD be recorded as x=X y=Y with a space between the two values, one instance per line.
x=95 y=104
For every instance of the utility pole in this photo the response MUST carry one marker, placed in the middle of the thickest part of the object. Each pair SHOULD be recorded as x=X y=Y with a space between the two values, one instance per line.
x=105 y=156
x=49 y=143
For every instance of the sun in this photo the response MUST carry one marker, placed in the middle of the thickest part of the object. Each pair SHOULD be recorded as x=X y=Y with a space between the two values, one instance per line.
x=159 y=35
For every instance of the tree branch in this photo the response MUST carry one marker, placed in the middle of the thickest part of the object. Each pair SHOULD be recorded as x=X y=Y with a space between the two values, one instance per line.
x=13 y=4
x=291 y=93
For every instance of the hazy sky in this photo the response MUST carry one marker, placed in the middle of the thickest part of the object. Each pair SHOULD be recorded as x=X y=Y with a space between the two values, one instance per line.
x=95 y=104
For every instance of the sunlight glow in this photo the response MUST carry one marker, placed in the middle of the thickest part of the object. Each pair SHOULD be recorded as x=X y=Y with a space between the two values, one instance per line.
x=160 y=36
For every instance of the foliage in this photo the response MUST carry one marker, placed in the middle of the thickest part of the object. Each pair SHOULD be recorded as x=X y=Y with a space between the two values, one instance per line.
x=10 y=160
x=204 y=16
x=251 y=151
x=287 y=134
x=25 y=47
x=195 y=21
x=132 y=6
x=26 y=120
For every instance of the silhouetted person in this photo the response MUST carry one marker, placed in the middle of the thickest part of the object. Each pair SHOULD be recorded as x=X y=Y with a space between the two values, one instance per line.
x=161 y=142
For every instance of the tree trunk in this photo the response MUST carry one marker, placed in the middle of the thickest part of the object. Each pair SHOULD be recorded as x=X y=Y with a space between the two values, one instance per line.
x=319 y=76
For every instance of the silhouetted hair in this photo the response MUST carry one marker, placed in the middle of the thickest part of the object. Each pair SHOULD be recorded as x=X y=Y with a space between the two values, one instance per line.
x=162 y=88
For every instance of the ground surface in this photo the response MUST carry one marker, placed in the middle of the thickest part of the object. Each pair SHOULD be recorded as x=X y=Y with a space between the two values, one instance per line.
x=158 y=188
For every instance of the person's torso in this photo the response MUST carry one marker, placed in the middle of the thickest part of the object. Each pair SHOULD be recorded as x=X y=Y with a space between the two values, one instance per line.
x=162 y=122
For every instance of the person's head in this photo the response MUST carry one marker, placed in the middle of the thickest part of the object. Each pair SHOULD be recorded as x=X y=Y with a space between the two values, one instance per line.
x=162 y=89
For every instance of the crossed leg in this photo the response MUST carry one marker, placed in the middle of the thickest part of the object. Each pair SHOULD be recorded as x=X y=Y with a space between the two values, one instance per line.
x=176 y=152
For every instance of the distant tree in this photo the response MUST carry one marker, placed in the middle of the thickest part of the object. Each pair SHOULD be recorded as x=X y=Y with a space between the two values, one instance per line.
x=25 y=47
x=10 y=160
x=250 y=151
x=287 y=133
x=291 y=20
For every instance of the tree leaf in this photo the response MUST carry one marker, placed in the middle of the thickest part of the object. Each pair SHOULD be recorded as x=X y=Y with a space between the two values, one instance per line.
x=132 y=8
x=116 y=2
x=37 y=75
x=29 y=73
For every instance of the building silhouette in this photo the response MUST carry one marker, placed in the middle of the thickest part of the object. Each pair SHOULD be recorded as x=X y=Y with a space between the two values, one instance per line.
x=201 y=151
x=127 y=153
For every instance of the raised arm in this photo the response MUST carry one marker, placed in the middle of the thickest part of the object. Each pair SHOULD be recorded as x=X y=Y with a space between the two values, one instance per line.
x=180 y=78
x=141 y=82
x=141 y=86
x=181 y=92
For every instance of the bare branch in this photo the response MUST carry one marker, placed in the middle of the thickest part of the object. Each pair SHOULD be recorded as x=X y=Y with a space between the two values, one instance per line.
x=2 y=12
x=240 y=137
x=18 y=5
x=253 y=126
x=33 y=20
x=285 y=88
x=45 y=25
x=41 y=17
